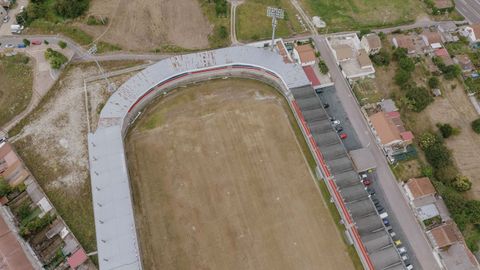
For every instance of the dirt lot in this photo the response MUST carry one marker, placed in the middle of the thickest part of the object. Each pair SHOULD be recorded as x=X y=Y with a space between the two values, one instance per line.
x=220 y=183
x=457 y=110
x=52 y=142
x=148 y=24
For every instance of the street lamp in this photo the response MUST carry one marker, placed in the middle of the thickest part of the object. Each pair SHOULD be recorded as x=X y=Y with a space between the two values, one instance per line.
x=274 y=13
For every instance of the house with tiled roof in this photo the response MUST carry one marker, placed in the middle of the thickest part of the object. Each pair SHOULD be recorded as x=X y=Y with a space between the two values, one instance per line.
x=371 y=43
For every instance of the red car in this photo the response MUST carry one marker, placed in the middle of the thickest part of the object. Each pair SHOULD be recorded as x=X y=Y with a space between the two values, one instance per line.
x=36 y=42
x=367 y=182
x=343 y=136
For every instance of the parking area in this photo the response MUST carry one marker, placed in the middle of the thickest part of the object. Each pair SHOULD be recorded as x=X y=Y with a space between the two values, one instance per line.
x=336 y=111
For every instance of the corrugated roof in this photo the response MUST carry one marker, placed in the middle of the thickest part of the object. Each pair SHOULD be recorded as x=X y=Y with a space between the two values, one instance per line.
x=420 y=187
x=445 y=235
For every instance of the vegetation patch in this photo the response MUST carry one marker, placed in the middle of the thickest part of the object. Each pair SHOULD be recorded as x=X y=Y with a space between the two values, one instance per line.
x=56 y=59
x=218 y=13
x=16 y=82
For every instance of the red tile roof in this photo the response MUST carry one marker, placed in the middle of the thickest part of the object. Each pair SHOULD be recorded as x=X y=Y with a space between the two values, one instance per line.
x=312 y=77
x=407 y=135
x=441 y=52
x=77 y=258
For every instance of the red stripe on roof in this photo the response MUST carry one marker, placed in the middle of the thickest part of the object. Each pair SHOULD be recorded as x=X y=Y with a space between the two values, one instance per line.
x=312 y=77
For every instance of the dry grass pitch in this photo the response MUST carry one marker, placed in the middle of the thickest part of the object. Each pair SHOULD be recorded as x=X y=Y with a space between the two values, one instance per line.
x=220 y=182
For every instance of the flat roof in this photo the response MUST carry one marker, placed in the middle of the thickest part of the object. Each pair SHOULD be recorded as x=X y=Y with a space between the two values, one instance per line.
x=363 y=160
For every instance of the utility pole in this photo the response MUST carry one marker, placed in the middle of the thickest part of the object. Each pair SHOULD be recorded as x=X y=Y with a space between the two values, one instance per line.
x=274 y=13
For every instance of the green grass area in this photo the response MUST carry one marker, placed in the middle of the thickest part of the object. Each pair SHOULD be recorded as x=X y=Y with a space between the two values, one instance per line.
x=343 y=15
x=16 y=82
x=366 y=92
x=216 y=39
x=253 y=24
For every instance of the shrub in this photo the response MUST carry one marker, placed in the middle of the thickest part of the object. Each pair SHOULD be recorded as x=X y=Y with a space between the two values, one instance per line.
x=419 y=97
x=462 y=183
x=5 y=188
x=382 y=58
x=446 y=130
x=446 y=174
x=406 y=64
x=55 y=58
x=26 y=42
x=427 y=140
x=427 y=171
x=62 y=44
x=46 y=42
x=400 y=53
x=220 y=8
x=71 y=8
x=323 y=67
x=438 y=155
x=433 y=82
x=476 y=126
x=451 y=72
x=402 y=77
x=92 y=20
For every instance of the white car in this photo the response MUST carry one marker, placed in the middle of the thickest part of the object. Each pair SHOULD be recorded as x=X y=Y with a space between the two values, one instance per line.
x=22 y=8
x=9 y=45
x=336 y=122
x=402 y=250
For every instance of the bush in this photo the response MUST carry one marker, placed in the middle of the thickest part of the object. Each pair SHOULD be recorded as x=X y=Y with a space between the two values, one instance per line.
x=402 y=77
x=476 y=126
x=438 y=155
x=433 y=82
x=382 y=58
x=462 y=183
x=5 y=188
x=419 y=98
x=46 y=42
x=451 y=72
x=446 y=130
x=446 y=174
x=26 y=42
x=62 y=44
x=55 y=58
x=222 y=32
x=221 y=8
x=323 y=67
x=92 y=20
x=400 y=53
x=406 y=64
x=427 y=171
x=427 y=140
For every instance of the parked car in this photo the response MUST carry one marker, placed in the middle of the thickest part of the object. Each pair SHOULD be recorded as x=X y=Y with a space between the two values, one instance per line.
x=21 y=45
x=335 y=122
x=409 y=267
x=380 y=209
x=386 y=222
x=397 y=242
x=9 y=45
x=36 y=42
x=326 y=105
x=339 y=128
x=404 y=257
x=343 y=136
x=367 y=182
x=319 y=91
x=371 y=190
x=6 y=19
x=393 y=234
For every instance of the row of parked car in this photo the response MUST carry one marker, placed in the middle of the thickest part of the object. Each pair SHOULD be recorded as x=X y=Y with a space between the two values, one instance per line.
x=22 y=45
x=384 y=216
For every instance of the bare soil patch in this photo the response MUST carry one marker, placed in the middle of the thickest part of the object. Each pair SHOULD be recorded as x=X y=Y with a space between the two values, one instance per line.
x=148 y=24
x=220 y=182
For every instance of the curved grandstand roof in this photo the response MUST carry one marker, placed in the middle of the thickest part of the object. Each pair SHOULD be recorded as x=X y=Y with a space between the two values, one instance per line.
x=114 y=220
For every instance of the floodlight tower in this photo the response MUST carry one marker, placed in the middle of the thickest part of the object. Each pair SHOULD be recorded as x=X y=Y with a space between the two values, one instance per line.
x=274 y=13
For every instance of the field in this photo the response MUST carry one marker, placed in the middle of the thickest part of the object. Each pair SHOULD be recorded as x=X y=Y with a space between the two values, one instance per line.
x=16 y=80
x=253 y=23
x=220 y=182
x=354 y=14
x=149 y=24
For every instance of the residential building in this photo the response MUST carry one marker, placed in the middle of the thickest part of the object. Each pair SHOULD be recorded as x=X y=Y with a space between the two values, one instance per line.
x=371 y=43
x=443 y=54
x=305 y=54
x=343 y=52
x=404 y=41
x=419 y=189
x=364 y=60
x=11 y=167
x=13 y=255
x=433 y=39
x=390 y=133
x=471 y=32
x=464 y=62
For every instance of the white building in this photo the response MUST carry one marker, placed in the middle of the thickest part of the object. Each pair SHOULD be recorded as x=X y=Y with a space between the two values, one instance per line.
x=371 y=43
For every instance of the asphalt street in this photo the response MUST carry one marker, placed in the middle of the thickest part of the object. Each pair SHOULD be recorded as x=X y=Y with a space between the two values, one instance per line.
x=387 y=182
x=470 y=9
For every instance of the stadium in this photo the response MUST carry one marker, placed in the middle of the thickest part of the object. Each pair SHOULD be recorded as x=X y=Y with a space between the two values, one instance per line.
x=116 y=232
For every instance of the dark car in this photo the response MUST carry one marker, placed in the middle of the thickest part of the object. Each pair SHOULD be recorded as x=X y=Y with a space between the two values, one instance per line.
x=339 y=128
x=326 y=105
x=371 y=191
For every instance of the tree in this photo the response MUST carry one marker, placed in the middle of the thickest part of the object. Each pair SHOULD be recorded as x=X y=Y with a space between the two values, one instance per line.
x=382 y=58
x=71 y=8
x=26 y=42
x=438 y=155
x=5 y=188
x=476 y=126
x=62 y=44
x=419 y=97
x=406 y=64
x=402 y=77
x=446 y=130
x=323 y=67
x=400 y=53
x=222 y=32
x=427 y=140
x=55 y=58
x=462 y=183
x=451 y=72
x=433 y=82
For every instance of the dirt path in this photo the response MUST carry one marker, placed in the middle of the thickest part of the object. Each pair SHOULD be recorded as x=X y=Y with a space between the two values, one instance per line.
x=220 y=183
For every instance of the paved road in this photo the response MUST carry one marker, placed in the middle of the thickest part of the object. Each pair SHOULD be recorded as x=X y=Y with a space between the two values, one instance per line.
x=233 y=18
x=387 y=181
x=470 y=9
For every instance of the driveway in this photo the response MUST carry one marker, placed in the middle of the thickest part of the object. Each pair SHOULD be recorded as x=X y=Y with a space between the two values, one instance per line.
x=387 y=181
